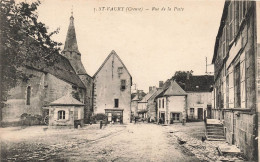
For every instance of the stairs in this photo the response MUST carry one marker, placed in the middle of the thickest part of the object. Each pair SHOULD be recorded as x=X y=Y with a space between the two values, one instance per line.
x=214 y=130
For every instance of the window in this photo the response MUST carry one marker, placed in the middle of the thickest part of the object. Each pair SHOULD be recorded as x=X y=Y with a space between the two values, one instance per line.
x=227 y=91
x=123 y=85
x=175 y=116
x=162 y=103
x=75 y=115
x=120 y=70
x=231 y=20
x=61 y=114
x=237 y=86
x=191 y=111
x=116 y=102
x=28 y=95
x=159 y=103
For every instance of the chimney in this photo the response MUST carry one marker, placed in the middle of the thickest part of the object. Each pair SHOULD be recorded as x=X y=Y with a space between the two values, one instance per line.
x=139 y=93
x=160 y=84
x=150 y=88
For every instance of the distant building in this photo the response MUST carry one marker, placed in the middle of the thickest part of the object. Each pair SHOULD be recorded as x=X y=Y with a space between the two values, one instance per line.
x=112 y=89
x=236 y=62
x=172 y=104
x=142 y=105
x=199 y=96
x=138 y=96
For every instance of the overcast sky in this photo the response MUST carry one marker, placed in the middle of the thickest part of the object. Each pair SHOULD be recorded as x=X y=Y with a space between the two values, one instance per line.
x=152 y=44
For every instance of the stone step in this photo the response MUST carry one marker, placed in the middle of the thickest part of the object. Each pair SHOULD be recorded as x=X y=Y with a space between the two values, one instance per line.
x=215 y=130
x=214 y=125
x=215 y=133
x=215 y=139
x=216 y=136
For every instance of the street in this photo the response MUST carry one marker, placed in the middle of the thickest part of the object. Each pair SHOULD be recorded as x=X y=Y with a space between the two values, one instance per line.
x=132 y=142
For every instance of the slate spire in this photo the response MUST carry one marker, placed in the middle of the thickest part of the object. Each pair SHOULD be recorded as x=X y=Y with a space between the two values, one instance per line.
x=71 y=40
x=71 y=51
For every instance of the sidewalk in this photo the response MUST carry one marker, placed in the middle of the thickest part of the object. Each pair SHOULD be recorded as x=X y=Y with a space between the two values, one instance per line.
x=190 y=137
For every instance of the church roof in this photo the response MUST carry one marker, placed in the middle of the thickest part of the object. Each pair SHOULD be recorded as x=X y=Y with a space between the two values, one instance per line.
x=112 y=53
x=54 y=64
x=71 y=40
x=66 y=100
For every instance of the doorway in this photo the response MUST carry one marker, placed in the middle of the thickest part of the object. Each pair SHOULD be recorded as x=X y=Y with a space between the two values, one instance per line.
x=200 y=113
x=163 y=117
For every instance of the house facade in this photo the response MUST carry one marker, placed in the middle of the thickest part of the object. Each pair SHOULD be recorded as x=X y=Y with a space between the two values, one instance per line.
x=236 y=62
x=142 y=105
x=66 y=111
x=199 y=96
x=138 y=96
x=172 y=104
x=112 y=89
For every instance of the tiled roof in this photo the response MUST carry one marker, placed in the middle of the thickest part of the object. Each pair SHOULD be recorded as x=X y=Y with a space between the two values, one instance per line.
x=199 y=83
x=66 y=100
x=60 y=68
x=148 y=96
x=174 y=90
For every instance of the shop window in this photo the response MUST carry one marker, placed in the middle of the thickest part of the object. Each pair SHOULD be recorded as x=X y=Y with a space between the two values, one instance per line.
x=61 y=114
x=28 y=95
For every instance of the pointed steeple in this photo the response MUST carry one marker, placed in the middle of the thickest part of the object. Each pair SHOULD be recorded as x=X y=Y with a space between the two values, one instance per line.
x=71 y=51
x=71 y=40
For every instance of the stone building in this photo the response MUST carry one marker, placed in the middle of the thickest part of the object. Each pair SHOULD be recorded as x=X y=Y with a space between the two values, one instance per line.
x=112 y=89
x=66 y=111
x=142 y=105
x=236 y=62
x=199 y=96
x=47 y=82
x=172 y=104
x=138 y=96
x=43 y=85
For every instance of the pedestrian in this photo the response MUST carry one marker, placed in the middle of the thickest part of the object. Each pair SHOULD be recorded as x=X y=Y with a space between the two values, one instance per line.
x=135 y=120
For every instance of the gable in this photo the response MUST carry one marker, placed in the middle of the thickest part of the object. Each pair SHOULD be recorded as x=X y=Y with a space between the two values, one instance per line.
x=111 y=56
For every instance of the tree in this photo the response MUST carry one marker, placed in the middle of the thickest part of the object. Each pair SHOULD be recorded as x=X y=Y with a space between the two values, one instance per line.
x=22 y=39
x=181 y=76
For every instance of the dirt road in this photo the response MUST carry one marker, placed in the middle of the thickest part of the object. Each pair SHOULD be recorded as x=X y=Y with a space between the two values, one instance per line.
x=138 y=142
x=133 y=142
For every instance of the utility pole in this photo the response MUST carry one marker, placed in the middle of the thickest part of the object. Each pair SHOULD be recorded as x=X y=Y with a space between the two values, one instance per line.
x=207 y=67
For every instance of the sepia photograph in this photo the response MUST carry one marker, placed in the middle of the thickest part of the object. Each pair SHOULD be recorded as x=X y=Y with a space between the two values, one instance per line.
x=129 y=80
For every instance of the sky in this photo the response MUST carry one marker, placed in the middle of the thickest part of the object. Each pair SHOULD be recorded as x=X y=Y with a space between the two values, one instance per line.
x=152 y=42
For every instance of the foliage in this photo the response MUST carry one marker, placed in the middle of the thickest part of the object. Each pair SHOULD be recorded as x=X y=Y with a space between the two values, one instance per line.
x=181 y=76
x=28 y=119
x=22 y=39
x=97 y=117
